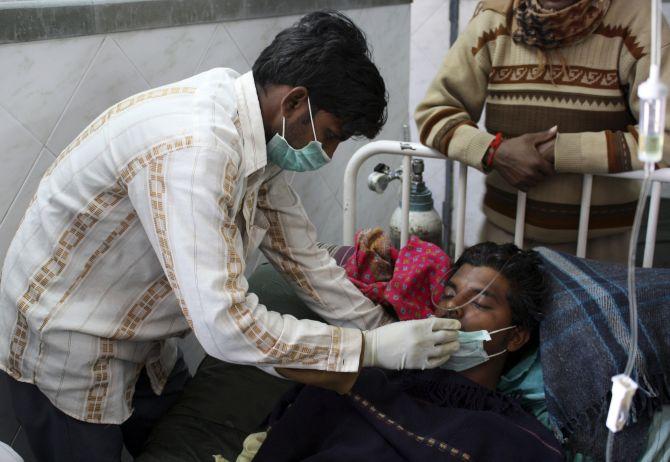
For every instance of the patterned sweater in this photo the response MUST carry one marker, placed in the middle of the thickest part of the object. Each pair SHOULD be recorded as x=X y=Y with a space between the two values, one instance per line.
x=592 y=99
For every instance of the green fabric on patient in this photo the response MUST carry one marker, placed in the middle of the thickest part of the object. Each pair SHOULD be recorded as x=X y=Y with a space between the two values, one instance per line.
x=526 y=381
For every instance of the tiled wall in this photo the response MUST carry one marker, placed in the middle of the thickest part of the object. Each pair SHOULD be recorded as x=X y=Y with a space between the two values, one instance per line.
x=50 y=90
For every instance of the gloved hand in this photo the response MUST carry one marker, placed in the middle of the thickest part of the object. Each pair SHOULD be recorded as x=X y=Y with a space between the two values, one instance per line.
x=417 y=344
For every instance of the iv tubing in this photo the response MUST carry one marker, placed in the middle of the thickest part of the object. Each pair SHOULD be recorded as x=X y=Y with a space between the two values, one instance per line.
x=632 y=296
x=655 y=38
x=654 y=71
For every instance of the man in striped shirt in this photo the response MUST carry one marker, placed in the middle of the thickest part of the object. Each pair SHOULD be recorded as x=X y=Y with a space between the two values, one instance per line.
x=140 y=230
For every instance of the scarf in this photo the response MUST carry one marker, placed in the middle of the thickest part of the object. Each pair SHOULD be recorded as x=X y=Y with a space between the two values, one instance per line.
x=537 y=26
x=407 y=280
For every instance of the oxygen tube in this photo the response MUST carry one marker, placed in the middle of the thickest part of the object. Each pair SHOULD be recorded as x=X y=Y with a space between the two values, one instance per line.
x=652 y=94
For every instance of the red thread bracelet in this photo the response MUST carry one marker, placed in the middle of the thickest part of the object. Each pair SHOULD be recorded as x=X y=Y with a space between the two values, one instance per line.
x=492 y=150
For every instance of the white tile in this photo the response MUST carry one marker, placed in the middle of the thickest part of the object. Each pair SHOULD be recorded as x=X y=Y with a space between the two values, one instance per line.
x=423 y=10
x=465 y=12
x=330 y=230
x=223 y=52
x=311 y=188
x=398 y=117
x=252 y=36
x=110 y=79
x=474 y=217
x=429 y=44
x=376 y=209
x=434 y=171
x=432 y=39
x=10 y=223
x=327 y=217
x=438 y=191
x=418 y=88
x=16 y=157
x=319 y=202
x=166 y=55
x=434 y=177
x=387 y=30
x=425 y=62
x=38 y=79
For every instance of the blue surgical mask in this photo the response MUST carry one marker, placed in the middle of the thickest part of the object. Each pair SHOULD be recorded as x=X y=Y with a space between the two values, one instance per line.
x=282 y=154
x=472 y=352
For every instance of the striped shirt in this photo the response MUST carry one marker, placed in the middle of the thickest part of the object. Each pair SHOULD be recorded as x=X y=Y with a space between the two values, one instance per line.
x=139 y=233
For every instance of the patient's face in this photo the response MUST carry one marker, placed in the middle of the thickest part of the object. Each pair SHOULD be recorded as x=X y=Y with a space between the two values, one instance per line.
x=480 y=293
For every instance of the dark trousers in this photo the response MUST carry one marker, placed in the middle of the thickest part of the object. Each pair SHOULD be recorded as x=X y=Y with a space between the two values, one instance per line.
x=55 y=436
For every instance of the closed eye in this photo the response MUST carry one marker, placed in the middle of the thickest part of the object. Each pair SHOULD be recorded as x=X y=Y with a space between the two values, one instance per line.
x=478 y=301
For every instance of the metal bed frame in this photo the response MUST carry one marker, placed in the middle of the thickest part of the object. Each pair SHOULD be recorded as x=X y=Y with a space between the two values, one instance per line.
x=409 y=150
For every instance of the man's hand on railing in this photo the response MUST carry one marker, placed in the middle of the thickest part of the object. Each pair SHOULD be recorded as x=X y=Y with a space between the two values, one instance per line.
x=526 y=160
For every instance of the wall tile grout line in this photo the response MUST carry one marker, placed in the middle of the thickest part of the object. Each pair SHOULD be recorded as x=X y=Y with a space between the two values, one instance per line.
x=428 y=17
x=131 y=62
x=18 y=190
x=32 y=167
x=207 y=47
x=74 y=92
x=30 y=132
x=244 y=56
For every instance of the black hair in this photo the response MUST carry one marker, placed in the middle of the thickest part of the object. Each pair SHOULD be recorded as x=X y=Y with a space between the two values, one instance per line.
x=328 y=54
x=524 y=272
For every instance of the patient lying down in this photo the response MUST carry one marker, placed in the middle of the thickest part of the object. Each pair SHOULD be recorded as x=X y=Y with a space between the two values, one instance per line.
x=452 y=413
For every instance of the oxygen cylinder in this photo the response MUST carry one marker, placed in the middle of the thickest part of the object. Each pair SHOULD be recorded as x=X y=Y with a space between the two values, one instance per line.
x=424 y=221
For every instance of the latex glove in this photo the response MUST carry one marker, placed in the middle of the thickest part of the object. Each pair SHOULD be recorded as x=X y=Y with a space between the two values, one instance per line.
x=417 y=344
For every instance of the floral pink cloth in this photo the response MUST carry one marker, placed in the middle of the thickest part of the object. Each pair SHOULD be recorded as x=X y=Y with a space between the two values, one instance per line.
x=402 y=280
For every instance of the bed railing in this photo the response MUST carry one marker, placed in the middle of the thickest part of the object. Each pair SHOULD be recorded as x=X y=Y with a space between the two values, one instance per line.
x=409 y=150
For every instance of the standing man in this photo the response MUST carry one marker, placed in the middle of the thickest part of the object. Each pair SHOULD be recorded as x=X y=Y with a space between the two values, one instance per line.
x=140 y=230
x=559 y=79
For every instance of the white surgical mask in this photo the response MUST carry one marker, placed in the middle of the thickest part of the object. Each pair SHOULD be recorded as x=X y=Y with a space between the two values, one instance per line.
x=472 y=352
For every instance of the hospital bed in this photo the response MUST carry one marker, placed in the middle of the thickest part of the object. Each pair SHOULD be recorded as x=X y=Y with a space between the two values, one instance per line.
x=224 y=402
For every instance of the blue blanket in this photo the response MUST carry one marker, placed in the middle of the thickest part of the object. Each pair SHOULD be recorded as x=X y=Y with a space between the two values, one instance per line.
x=584 y=341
